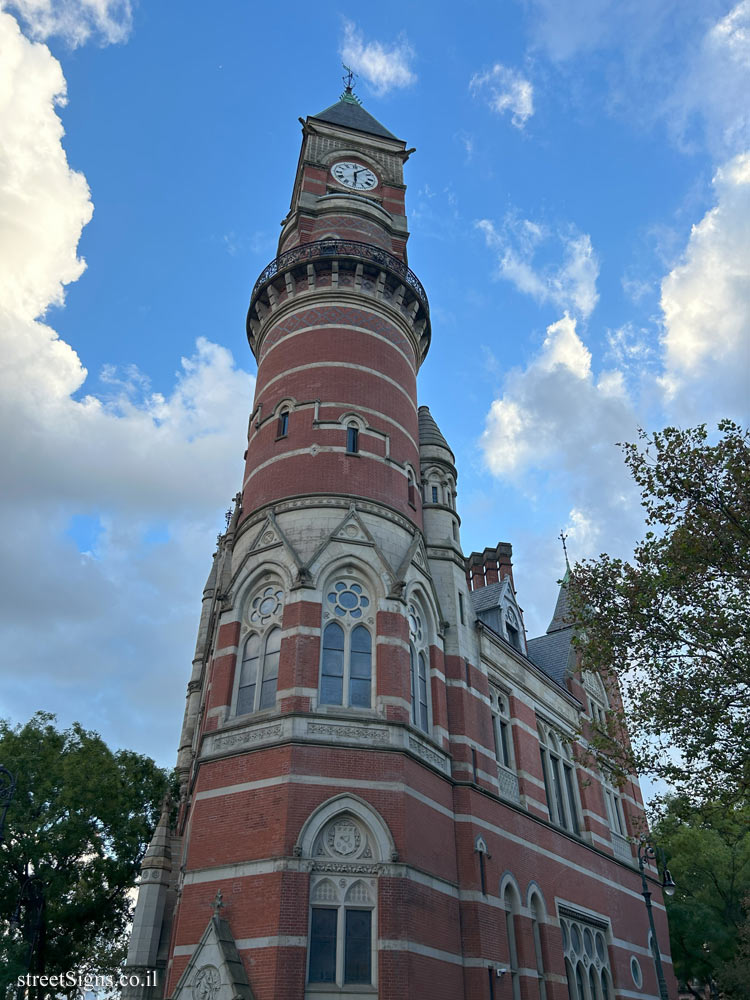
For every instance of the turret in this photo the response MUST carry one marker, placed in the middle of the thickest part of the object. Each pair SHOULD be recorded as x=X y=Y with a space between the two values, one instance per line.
x=150 y=929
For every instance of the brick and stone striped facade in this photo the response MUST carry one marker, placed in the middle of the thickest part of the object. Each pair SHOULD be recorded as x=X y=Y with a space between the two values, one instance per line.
x=423 y=798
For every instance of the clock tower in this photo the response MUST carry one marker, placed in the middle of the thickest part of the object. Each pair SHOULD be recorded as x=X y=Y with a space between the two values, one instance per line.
x=375 y=799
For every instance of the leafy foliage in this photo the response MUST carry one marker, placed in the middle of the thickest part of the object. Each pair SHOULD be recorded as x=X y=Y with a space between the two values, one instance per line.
x=79 y=823
x=672 y=627
x=709 y=857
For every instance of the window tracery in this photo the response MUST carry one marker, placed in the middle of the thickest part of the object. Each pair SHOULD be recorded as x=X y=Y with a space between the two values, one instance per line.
x=559 y=779
x=346 y=657
x=587 y=962
x=259 y=665
x=343 y=905
x=418 y=669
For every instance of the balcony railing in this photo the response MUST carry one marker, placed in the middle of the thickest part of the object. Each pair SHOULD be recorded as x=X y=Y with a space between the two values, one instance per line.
x=307 y=252
x=508 y=783
x=621 y=847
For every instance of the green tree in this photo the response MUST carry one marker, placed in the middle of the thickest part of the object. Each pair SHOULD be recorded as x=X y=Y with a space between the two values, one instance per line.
x=672 y=626
x=78 y=825
x=708 y=852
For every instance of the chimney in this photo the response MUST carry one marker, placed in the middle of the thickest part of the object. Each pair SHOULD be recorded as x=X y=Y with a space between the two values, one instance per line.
x=490 y=566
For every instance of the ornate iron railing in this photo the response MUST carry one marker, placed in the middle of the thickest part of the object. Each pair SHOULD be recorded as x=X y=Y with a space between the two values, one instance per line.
x=306 y=252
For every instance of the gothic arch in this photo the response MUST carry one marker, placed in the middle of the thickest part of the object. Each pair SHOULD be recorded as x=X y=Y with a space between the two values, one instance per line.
x=532 y=891
x=354 y=806
x=272 y=570
x=508 y=881
x=349 y=565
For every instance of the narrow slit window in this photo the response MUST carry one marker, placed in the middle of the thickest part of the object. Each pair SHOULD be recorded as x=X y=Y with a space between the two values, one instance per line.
x=282 y=427
x=352 y=439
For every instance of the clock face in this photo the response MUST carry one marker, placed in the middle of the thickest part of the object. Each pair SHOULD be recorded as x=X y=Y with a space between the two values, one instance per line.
x=354 y=175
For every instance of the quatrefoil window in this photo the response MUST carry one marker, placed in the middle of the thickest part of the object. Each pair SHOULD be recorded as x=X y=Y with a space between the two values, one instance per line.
x=266 y=605
x=348 y=599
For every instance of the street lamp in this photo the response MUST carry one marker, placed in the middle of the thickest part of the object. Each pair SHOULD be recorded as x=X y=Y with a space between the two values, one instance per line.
x=7 y=788
x=646 y=854
x=31 y=898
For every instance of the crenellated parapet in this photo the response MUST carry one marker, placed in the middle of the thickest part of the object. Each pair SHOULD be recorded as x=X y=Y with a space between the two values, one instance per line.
x=346 y=268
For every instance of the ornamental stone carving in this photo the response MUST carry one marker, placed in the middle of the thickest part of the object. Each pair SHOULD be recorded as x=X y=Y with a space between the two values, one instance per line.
x=207 y=983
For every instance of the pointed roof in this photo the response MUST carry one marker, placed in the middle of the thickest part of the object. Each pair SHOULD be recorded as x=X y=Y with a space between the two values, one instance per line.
x=562 y=614
x=347 y=111
x=429 y=432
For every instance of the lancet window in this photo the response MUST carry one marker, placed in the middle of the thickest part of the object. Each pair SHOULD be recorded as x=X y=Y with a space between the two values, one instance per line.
x=259 y=666
x=346 y=660
x=419 y=666
x=343 y=909
x=587 y=964
x=559 y=779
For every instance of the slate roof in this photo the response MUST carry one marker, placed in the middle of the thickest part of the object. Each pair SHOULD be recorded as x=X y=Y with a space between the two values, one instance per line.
x=562 y=615
x=552 y=653
x=484 y=598
x=350 y=113
x=429 y=432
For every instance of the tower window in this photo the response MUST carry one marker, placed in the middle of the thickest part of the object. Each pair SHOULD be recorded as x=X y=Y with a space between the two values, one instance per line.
x=346 y=663
x=352 y=439
x=259 y=672
x=418 y=668
x=461 y=612
x=411 y=491
x=341 y=933
x=282 y=426
x=434 y=494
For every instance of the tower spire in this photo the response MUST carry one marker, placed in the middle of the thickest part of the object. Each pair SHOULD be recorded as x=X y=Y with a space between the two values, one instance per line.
x=563 y=537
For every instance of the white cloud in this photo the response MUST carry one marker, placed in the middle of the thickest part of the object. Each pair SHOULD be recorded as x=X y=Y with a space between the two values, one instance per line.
x=83 y=631
x=715 y=85
x=570 y=284
x=504 y=89
x=384 y=67
x=76 y=21
x=706 y=300
x=553 y=432
x=686 y=64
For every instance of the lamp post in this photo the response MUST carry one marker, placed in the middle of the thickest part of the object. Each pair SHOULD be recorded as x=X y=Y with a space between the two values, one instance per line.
x=7 y=788
x=31 y=898
x=647 y=853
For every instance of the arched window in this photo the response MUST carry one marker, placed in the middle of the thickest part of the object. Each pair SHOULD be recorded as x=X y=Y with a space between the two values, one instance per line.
x=586 y=957
x=411 y=491
x=536 y=916
x=511 y=908
x=341 y=932
x=259 y=667
x=513 y=629
x=559 y=780
x=352 y=438
x=346 y=659
x=503 y=742
x=419 y=670
x=343 y=909
x=282 y=426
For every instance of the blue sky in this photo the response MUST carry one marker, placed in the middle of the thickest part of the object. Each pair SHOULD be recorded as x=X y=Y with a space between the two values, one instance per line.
x=579 y=205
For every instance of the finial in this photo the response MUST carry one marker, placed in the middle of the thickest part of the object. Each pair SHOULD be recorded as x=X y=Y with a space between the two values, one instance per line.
x=562 y=538
x=349 y=79
x=217 y=903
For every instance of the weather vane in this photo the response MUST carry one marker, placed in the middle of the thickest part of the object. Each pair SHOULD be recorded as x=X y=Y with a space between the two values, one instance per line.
x=349 y=78
x=562 y=538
